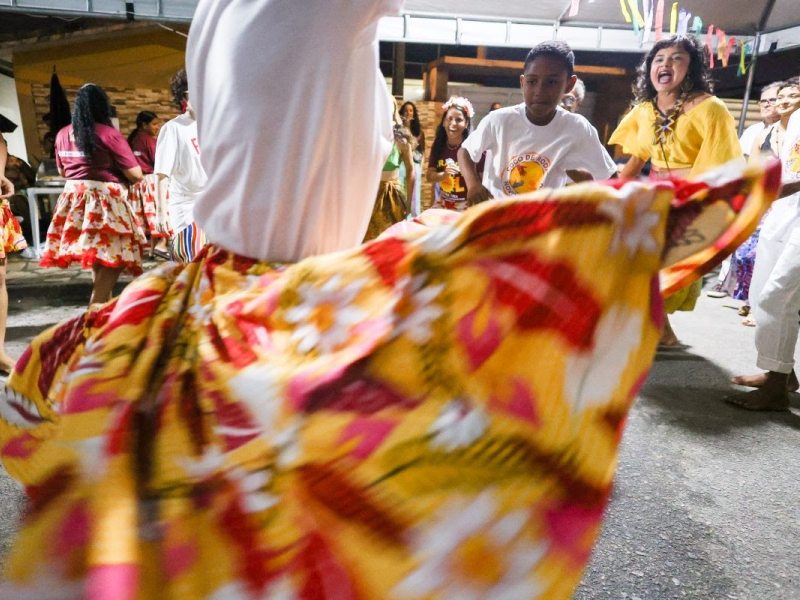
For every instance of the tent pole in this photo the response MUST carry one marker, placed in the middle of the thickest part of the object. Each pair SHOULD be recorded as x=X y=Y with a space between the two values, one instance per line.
x=762 y=24
x=749 y=87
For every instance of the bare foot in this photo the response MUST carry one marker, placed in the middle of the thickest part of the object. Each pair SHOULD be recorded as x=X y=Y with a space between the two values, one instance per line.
x=758 y=380
x=6 y=363
x=668 y=337
x=760 y=399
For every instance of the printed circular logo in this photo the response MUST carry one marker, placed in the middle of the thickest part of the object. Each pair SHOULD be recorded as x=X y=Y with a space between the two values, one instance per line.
x=452 y=184
x=525 y=173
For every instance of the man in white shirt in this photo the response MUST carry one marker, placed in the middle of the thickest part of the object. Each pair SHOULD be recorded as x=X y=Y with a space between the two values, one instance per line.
x=769 y=115
x=776 y=312
x=251 y=214
x=178 y=158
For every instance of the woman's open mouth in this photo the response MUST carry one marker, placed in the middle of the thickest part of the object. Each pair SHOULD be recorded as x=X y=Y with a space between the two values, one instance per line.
x=664 y=77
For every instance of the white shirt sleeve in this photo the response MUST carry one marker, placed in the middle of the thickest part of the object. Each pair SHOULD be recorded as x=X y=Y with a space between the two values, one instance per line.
x=166 y=150
x=481 y=140
x=589 y=154
x=790 y=150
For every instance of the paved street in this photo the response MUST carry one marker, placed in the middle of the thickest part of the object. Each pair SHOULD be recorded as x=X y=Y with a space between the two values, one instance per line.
x=706 y=503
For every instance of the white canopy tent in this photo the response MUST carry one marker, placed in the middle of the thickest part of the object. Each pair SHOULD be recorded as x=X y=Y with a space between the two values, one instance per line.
x=598 y=24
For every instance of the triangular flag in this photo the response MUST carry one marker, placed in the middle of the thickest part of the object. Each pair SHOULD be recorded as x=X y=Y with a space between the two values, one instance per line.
x=638 y=21
x=673 y=19
x=625 y=14
x=683 y=22
x=742 y=66
x=709 y=45
x=659 y=19
x=647 y=6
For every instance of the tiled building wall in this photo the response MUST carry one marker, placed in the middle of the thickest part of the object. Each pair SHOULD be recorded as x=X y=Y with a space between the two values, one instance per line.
x=430 y=113
x=128 y=102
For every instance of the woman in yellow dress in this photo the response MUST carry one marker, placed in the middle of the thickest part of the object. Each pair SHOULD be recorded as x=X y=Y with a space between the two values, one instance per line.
x=680 y=127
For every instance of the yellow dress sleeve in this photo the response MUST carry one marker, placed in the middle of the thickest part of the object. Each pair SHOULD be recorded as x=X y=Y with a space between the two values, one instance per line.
x=633 y=133
x=720 y=143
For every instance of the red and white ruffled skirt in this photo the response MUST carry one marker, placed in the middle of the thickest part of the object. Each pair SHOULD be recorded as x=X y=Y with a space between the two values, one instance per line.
x=150 y=212
x=11 y=238
x=93 y=223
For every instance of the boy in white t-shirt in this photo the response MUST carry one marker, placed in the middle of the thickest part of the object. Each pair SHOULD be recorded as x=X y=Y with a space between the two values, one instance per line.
x=178 y=159
x=537 y=143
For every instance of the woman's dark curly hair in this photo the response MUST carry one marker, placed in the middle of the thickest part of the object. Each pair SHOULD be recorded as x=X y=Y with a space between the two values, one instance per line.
x=143 y=118
x=414 y=125
x=440 y=141
x=179 y=86
x=698 y=76
x=91 y=107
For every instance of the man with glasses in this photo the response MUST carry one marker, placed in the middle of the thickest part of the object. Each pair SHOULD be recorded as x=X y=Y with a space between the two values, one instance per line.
x=769 y=115
x=767 y=104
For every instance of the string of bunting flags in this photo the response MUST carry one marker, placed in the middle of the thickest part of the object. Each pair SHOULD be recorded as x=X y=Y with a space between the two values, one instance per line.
x=647 y=19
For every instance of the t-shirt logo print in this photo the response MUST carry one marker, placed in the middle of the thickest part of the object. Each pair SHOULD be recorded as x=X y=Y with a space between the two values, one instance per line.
x=525 y=173
x=793 y=163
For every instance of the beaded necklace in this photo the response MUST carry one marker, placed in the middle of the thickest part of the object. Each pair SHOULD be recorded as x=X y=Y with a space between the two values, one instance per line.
x=664 y=124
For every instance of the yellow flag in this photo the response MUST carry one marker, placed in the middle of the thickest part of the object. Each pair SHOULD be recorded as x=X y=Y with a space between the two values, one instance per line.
x=673 y=19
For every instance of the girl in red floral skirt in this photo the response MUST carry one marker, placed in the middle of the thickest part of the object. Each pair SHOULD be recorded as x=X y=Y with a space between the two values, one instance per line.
x=11 y=240
x=93 y=222
x=150 y=211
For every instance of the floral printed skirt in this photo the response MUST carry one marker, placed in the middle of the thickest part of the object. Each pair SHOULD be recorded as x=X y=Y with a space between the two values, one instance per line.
x=744 y=259
x=370 y=424
x=12 y=238
x=151 y=214
x=93 y=223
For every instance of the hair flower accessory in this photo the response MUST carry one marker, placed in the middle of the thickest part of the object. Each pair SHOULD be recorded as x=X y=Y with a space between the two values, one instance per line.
x=461 y=104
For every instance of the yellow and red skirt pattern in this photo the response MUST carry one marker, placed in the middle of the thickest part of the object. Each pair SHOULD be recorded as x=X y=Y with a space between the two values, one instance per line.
x=12 y=239
x=431 y=415
x=93 y=223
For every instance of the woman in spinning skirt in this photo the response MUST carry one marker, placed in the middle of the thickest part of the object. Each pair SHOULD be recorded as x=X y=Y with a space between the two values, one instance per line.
x=295 y=415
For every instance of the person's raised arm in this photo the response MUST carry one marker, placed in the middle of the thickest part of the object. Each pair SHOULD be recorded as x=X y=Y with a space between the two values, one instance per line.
x=134 y=175
x=6 y=187
x=789 y=188
x=408 y=161
x=632 y=168
x=476 y=192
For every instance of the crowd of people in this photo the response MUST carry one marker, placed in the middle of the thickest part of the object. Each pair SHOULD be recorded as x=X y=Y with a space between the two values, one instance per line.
x=294 y=413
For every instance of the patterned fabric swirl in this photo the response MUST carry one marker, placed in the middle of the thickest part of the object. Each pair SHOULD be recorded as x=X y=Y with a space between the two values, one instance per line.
x=435 y=414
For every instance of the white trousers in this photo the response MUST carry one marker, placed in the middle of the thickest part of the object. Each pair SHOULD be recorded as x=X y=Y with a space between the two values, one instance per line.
x=776 y=229
x=778 y=309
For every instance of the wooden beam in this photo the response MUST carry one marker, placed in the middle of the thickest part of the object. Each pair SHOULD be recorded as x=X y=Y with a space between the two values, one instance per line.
x=458 y=65
x=436 y=84
x=399 y=69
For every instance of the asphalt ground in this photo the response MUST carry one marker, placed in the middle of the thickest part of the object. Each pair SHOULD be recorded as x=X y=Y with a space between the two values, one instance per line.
x=706 y=498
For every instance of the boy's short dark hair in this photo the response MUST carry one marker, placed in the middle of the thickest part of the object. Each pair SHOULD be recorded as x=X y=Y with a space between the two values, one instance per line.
x=557 y=49
x=179 y=86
